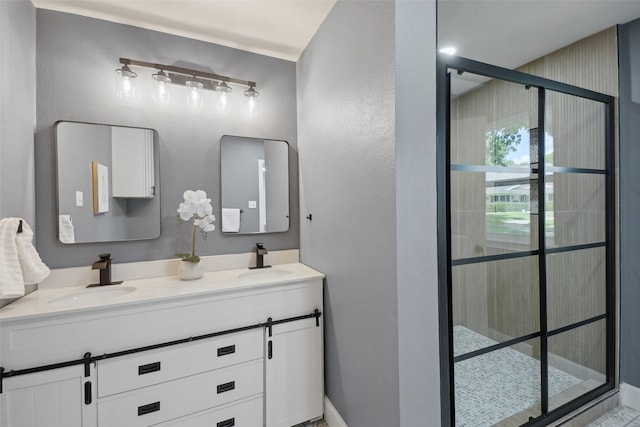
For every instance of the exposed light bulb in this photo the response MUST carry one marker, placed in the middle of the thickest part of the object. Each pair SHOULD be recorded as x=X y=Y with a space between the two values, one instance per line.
x=223 y=90
x=252 y=102
x=195 y=92
x=125 y=83
x=161 y=84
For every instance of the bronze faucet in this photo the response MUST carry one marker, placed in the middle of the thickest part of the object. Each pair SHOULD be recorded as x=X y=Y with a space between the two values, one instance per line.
x=104 y=265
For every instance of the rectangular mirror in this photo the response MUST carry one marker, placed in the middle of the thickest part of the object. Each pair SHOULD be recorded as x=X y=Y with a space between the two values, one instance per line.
x=108 y=183
x=255 y=185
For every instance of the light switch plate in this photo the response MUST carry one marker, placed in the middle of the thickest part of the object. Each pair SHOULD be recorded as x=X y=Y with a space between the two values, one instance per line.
x=253 y=204
x=79 y=198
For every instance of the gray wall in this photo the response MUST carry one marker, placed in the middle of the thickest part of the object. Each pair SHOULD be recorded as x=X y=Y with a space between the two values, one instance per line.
x=347 y=180
x=629 y=54
x=416 y=213
x=367 y=174
x=76 y=59
x=366 y=132
x=17 y=108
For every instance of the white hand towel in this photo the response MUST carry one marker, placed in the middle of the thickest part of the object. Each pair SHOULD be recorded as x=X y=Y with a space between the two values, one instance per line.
x=65 y=227
x=230 y=220
x=20 y=264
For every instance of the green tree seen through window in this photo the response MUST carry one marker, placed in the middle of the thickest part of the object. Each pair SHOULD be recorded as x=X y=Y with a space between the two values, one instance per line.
x=500 y=143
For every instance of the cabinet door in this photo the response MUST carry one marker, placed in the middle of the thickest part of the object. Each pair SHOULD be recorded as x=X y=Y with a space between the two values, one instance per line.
x=294 y=388
x=54 y=398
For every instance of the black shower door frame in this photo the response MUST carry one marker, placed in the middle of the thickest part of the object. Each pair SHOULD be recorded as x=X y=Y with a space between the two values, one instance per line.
x=445 y=64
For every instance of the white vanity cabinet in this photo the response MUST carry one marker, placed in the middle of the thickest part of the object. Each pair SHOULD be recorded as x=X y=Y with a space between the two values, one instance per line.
x=53 y=398
x=155 y=386
x=294 y=373
x=213 y=352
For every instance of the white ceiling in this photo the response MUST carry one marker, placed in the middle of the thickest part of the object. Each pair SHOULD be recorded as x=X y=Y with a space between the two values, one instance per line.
x=510 y=33
x=507 y=33
x=278 y=28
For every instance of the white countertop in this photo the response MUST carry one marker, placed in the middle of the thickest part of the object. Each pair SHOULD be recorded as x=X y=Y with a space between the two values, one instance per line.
x=45 y=302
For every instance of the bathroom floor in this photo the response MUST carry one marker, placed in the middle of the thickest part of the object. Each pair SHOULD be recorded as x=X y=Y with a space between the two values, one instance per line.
x=622 y=416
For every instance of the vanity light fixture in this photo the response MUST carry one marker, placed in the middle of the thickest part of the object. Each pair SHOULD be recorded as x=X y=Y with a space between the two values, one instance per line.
x=223 y=90
x=161 y=86
x=195 y=92
x=168 y=75
x=125 y=85
x=252 y=104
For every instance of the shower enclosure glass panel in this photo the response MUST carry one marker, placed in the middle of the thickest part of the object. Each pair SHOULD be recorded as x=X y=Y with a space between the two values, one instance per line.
x=576 y=286
x=497 y=300
x=581 y=354
x=577 y=202
x=498 y=388
x=490 y=214
x=575 y=129
x=526 y=230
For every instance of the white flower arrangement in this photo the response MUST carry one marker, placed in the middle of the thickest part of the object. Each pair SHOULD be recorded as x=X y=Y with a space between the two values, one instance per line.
x=196 y=206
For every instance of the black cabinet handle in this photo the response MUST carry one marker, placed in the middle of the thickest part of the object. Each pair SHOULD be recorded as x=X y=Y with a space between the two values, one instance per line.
x=147 y=369
x=270 y=350
x=226 y=387
x=223 y=351
x=87 y=393
x=147 y=409
x=227 y=423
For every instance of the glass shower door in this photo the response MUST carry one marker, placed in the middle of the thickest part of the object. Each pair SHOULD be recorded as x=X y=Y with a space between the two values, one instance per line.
x=494 y=248
x=527 y=235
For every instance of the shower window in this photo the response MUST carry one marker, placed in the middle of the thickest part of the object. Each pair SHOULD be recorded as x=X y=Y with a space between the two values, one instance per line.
x=525 y=245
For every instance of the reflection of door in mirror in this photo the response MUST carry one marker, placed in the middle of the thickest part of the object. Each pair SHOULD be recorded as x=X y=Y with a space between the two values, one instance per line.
x=130 y=156
x=255 y=185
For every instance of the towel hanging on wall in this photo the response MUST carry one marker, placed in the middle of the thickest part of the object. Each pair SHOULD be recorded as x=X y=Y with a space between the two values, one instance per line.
x=20 y=263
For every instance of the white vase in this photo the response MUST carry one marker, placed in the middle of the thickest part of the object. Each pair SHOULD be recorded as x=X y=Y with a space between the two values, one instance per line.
x=188 y=270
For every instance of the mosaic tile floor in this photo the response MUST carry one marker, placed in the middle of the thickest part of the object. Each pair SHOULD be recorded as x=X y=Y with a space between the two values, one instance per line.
x=622 y=416
x=497 y=385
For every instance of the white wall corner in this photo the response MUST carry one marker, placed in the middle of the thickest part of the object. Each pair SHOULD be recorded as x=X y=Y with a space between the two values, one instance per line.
x=630 y=396
x=331 y=415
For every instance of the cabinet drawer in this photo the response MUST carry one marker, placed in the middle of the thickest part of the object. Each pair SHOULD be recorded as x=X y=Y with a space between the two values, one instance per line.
x=245 y=414
x=151 y=367
x=181 y=397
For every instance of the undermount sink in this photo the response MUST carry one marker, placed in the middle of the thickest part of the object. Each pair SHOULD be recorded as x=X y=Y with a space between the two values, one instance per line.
x=265 y=273
x=91 y=295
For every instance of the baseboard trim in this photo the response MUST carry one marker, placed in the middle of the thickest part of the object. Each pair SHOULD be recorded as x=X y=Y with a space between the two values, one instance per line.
x=331 y=415
x=630 y=396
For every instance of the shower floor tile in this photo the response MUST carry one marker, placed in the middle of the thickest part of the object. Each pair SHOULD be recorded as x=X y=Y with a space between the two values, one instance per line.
x=622 y=416
x=499 y=385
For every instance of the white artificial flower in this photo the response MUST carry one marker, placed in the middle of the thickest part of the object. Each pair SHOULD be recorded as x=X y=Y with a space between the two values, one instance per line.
x=196 y=206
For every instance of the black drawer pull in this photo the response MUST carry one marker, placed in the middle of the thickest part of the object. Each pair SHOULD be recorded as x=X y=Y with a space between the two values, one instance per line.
x=227 y=423
x=147 y=409
x=147 y=369
x=226 y=387
x=223 y=351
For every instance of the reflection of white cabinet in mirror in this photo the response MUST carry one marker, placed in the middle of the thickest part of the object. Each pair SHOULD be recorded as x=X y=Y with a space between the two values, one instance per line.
x=132 y=162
